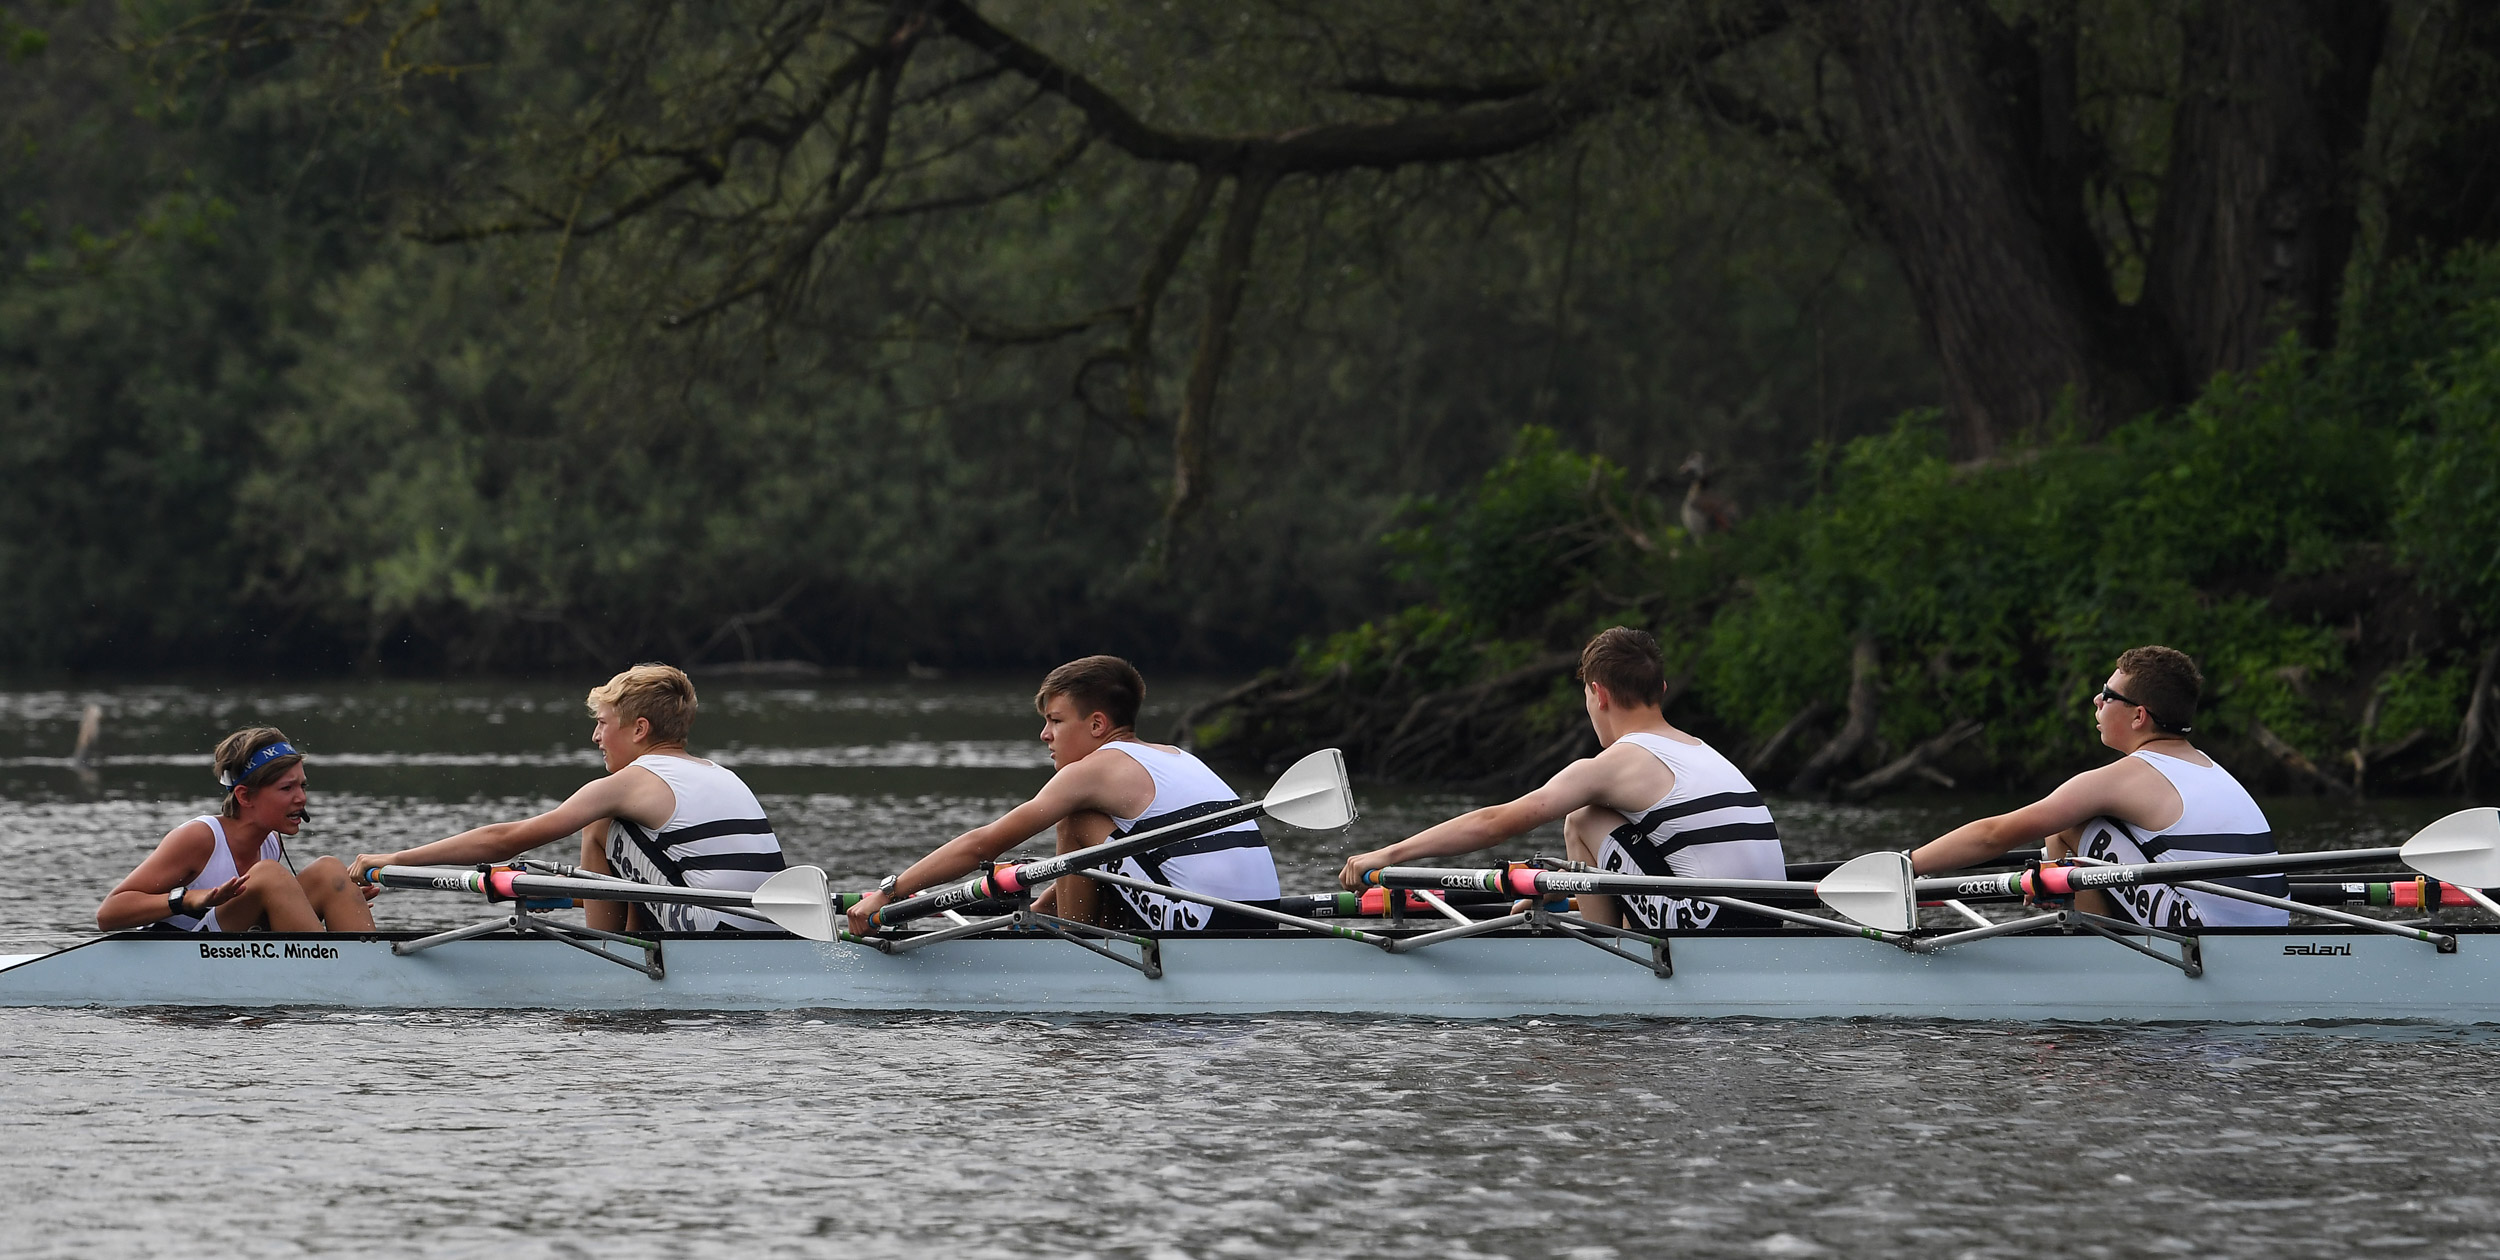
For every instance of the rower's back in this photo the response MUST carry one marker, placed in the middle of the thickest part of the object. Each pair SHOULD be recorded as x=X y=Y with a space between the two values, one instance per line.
x=718 y=837
x=2217 y=819
x=1234 y=863
x=1713 y=824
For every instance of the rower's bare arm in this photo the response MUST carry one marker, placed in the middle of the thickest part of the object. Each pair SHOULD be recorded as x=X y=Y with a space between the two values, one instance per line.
x=2111 y=790
x=632 y=792
x=140 y=898
x=1583 y=782
x=1075 y=789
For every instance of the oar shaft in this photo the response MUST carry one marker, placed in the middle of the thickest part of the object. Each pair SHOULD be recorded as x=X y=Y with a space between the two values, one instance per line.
x=2059 y=881
x=1530 y=882
x=508 y=883
x=1007 y=881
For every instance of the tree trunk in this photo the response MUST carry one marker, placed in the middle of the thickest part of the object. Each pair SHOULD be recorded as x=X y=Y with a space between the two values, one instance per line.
x=1866 y=678
x=1976 y=169
x=2448 y=182
x=1971 y=173
x=2258 y=209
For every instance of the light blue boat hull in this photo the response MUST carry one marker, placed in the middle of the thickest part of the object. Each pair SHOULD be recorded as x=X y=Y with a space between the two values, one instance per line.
x=2257 y=977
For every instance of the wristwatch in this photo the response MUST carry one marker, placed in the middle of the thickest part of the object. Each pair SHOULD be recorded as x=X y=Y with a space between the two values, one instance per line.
x=173 y=901
x=889 y=887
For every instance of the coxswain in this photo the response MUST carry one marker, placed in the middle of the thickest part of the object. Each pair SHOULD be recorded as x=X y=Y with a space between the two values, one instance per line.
x=2161 y=801
x=228 y=871
x=1653 y=801
x=661 y=815
x=1108 y=783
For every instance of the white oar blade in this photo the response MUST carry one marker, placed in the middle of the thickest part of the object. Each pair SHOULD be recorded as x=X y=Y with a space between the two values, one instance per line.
x=797 y=900
x=1313 y=794
x=1874 y=889
x=2463 y=848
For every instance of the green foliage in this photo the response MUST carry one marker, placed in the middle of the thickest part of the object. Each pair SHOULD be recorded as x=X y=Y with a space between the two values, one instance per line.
x=1423 y=646
x=2450 y=521
x=1533 y=531
x=2004 y=590
x=2420 y=695
x=246 y=420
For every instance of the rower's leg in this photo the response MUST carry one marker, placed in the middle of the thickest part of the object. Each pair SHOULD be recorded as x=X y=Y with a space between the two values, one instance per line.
x=335 y=898
x=1077 y=897
x=607 y=916
x=1581 y=831
x=2066 y=844
x=282 y=903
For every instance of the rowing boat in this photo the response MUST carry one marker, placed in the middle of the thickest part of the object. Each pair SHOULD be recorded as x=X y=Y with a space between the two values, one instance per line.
x=1418 y=954
x=2230 y=975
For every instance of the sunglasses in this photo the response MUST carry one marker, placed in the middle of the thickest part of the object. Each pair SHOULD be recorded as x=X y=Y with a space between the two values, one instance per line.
x=2105 y=695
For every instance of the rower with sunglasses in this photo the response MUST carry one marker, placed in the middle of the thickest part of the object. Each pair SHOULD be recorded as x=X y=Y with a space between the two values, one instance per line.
x=2162 y=801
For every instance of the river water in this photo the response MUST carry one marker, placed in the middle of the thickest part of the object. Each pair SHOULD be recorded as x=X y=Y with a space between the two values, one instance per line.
x=446 y=1133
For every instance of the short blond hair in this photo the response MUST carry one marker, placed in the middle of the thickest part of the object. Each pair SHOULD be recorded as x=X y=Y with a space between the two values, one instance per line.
x=659 y=694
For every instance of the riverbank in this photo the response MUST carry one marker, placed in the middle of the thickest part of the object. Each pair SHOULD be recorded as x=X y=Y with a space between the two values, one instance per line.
x=2323 y=536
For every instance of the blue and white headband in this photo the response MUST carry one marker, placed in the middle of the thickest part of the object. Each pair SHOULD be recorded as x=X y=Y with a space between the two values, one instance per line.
x=267 y=753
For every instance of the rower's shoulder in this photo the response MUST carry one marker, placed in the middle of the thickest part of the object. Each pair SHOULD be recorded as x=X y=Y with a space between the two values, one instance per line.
x=189 y=834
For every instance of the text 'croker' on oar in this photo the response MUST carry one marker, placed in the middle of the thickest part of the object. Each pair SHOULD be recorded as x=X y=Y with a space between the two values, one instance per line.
x=795 y=900
x=1312 y=794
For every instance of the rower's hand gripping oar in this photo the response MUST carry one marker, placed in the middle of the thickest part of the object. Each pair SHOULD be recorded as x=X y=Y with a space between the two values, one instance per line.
x=795 y=899
x=1313 y=794
x=1879 y=890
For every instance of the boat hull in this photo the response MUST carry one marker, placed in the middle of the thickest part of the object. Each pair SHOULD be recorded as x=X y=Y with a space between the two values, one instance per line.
x=2252 y=976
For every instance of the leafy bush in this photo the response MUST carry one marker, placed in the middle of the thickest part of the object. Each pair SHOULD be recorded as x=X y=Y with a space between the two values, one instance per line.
x=2450 y=519
x=2003 y=590
x=1539 y=525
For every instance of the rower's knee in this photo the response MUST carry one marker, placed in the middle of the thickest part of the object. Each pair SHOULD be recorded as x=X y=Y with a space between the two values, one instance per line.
x=1580 y=832
x=328 y=874
x=266 y=874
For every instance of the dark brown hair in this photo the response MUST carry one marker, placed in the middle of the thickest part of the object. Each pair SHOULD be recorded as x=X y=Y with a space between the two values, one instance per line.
x=235 y=751
x=1626 y=662
x=1096 y=684
x=2166 y=683
x=659 y=694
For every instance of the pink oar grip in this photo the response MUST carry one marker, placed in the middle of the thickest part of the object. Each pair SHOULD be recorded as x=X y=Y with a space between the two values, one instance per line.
x=1006 y=881
x=2054 y=881
x=1522 y=882
x=501 y=882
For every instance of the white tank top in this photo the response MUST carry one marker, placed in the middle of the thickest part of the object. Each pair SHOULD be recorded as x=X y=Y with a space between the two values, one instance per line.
x=1233 y=863
x=2217 y=819
x=219 y=869
x=1712 y=824
x=717 y=838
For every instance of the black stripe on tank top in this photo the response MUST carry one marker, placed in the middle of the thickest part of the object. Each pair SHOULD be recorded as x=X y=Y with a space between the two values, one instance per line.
x=671 y=870
x=1726 y=834
x=1647 y=824
x=2219 y=842
x=1703 y=805
x=771 y=861
x=1183 y=814
x=717 y=828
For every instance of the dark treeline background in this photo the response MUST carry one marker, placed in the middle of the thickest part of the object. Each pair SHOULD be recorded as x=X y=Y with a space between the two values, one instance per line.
x=1368 y=341
x=253 y=415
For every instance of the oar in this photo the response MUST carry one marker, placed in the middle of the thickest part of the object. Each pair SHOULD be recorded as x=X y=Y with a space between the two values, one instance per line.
x=2462 y=849
x=1879 y=890
x=1312 y=794
x=794 y=899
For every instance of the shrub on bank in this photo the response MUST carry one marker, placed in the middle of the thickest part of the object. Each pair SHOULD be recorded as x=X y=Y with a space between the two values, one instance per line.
x=2323 y=534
